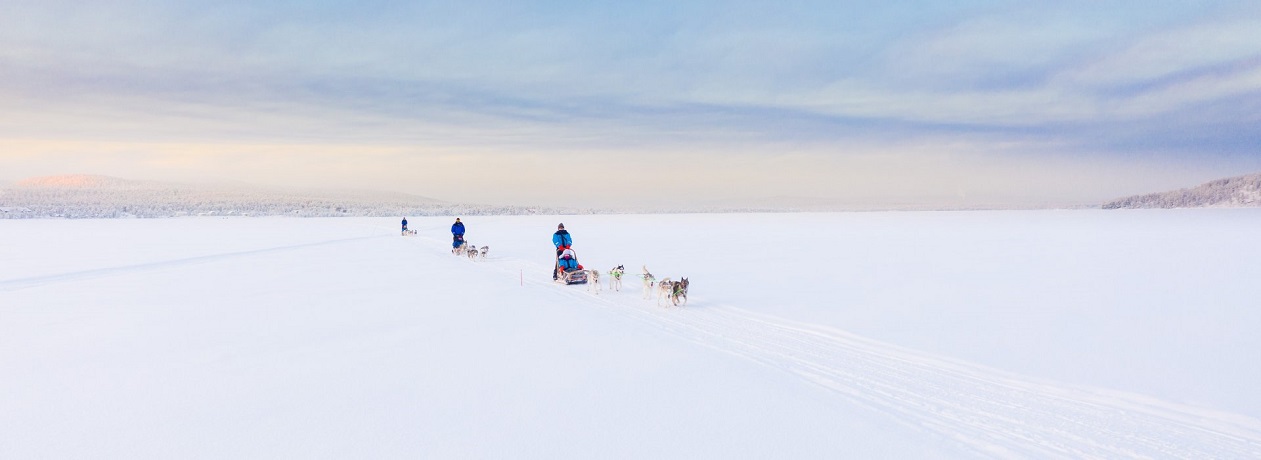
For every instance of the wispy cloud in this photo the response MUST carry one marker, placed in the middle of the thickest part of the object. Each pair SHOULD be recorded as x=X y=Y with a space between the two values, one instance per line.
x=493 y=79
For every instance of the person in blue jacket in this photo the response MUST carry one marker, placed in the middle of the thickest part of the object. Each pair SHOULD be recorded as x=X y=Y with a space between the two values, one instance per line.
x=404 y=225
x=562 y=241
x=457 y=233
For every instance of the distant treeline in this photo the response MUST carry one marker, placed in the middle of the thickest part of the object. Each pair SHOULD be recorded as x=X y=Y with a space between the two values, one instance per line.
x=116 y=199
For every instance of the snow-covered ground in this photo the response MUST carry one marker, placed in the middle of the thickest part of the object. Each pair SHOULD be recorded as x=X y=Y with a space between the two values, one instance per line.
x=848 y=335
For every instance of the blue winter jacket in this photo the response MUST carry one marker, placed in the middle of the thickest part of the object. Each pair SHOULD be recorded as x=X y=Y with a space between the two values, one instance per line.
x=562 y=238
x=457 y=228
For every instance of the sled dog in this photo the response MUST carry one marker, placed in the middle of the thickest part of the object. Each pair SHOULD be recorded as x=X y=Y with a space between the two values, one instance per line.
x=593 y=280
x=458 y=250
x=680 y=292
x=615 y=278
x=648 y=282
x=485 y=249
x=665 y=289
x=472 y=252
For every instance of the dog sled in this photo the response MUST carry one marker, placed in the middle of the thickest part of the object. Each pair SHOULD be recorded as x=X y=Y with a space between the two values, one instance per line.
x=572 y=276
x=568 y=270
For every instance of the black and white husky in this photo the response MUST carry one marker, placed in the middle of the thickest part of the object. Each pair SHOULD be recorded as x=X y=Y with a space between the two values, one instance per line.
x=615 y=278
x=471 y=251
x=485 y=249
x=648 y=283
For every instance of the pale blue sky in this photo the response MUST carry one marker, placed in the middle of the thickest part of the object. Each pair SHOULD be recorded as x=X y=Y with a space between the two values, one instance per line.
x=867 y=102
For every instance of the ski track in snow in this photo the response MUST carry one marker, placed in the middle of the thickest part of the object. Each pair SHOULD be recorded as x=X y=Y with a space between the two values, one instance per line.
x=985 y=410
x=25 y=283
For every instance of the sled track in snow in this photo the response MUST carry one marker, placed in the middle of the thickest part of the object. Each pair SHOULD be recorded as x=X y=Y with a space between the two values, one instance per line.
x=985 y=410
x=26 y=283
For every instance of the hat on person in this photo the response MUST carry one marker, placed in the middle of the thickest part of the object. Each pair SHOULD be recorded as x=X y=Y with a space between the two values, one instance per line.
x=560 y=226
x=457 y=219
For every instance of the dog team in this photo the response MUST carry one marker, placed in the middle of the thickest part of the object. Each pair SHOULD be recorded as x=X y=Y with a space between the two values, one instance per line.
x=461 y=247
x=673 y=292
x=666 y=290
x=473 y=252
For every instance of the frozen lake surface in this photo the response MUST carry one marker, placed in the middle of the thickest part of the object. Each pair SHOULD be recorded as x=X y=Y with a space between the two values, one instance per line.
x=1073 y=334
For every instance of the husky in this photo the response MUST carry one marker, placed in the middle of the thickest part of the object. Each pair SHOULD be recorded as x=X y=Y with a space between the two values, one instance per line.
x=680 y=292
x=593 y=281
x=472 y=252
x=485 y=249
x=648 y=283
x=665 y=289
x=615 y=278
x=458 y=250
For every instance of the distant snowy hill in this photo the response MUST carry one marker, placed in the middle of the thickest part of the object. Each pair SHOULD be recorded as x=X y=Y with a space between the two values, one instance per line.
x=1234 y=192
x=92 y=196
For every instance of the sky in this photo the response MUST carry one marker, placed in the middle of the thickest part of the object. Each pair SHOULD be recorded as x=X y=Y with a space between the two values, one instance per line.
x=640 y=103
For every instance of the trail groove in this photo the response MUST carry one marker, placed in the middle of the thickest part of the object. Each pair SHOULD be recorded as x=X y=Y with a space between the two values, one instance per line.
x=36 y=281
x=986 y=410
